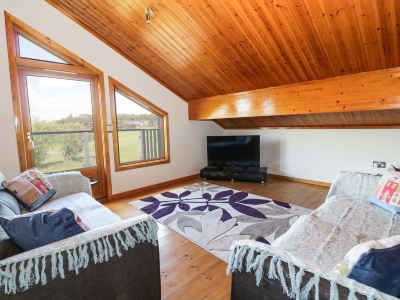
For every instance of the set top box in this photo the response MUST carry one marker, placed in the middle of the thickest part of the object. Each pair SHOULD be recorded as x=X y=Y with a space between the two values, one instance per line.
x=234 y=158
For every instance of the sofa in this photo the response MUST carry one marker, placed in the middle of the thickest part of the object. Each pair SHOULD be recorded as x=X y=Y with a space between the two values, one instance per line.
x=115 y=259
x=300 y=263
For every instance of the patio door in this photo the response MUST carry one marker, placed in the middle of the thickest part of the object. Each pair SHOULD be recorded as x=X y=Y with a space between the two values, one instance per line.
x=59 y=108
x=62 y=132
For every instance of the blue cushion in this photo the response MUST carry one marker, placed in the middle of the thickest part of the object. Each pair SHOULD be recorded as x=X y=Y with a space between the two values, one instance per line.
x=8 y=208
x=1 y=181
x=380 y=269
x=392 y=208
x=9 y=201
x=39 y=229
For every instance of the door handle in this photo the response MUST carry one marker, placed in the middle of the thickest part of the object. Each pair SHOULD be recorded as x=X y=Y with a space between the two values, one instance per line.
x=30 y=141
x=93 y=180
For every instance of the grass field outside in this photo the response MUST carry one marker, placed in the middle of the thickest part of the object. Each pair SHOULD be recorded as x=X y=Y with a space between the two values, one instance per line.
x=130 y=148
x=54 y=160
x=130 y=151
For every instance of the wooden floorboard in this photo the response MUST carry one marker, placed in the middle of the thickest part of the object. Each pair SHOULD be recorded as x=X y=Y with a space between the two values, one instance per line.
x=190 y=272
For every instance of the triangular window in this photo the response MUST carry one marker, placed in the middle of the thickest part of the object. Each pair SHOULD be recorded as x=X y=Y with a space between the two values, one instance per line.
x=28 y=49
x=127 y=105
x=140 y=129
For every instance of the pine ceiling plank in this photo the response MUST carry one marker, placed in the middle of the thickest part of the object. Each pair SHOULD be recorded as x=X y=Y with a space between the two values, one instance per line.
x=206 y=48
x=270 y=19
x=149 y=37
x=321 y=50
x=285 y=20
x=234 y=49
x=171 y=40
x=83 y=14
x=264 y=51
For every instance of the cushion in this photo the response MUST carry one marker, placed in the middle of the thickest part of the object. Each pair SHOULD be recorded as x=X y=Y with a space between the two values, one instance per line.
x=8 y=208
x=1 y=181
x=31 y=188
x=387 y=193
x=349 y=261
x=34 y=230
x=7 y=200
x=374 y=263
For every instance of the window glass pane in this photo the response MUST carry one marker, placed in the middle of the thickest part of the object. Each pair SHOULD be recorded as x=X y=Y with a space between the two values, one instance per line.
x=56 y=152
x=27 y=49
x=139 y=131
x=62 y=123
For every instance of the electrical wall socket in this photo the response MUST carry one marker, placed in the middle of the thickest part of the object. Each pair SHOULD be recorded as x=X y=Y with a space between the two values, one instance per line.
x=379 y=164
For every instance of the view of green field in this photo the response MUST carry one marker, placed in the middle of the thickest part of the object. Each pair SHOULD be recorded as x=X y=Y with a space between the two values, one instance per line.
x=61 y=116
x=129 y=146
x=54 y=160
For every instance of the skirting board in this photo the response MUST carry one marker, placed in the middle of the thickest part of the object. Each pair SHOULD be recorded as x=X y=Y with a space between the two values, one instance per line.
x=170 y=183
x=301 y=180
x=157 y=186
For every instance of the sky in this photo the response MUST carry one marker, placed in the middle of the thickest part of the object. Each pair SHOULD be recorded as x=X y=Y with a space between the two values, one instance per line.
x=54 y=98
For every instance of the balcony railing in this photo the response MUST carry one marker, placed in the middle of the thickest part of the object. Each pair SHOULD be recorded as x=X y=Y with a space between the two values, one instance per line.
x=149 y=143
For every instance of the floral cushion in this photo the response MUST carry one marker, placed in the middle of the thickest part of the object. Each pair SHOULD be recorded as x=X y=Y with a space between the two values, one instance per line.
x=387 y=193
x=31 y=188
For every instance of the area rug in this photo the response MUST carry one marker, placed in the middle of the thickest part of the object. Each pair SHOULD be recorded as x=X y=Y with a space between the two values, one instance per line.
x=214 y=217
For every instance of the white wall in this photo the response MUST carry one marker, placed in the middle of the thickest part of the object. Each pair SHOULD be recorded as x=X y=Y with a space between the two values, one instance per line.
x=187 y=138
x=319 y=154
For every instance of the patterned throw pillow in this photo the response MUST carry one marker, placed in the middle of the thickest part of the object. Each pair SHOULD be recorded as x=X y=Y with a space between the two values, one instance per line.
x=387 y=193
x=33 y=230
x=374 y=263
x=31 y=188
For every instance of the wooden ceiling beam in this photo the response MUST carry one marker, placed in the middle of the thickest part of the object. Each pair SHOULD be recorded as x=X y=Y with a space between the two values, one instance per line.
x=359 y=119
x=376 y=90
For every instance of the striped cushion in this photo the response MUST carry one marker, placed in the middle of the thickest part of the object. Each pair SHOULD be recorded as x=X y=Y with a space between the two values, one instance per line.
x=31 y=188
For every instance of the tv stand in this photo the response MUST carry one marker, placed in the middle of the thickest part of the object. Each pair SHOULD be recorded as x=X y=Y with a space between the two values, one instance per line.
x=235 y=173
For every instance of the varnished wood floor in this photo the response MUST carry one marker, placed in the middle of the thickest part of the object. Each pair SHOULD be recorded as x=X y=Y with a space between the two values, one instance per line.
x=190 y=272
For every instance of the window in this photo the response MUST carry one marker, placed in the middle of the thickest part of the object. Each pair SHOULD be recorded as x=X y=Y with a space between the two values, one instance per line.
x=61 y=123
x=58 y=104
x=28 y=49
x=140 y=130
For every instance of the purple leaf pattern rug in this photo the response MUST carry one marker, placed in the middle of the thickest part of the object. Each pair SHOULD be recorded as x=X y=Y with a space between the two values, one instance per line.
x=214 y=217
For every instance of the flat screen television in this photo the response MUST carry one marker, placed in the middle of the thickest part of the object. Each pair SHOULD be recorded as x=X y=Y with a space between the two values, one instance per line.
x=238 y=150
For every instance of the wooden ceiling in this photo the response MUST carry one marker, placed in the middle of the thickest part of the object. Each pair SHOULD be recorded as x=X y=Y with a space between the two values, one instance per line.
x=213 y=47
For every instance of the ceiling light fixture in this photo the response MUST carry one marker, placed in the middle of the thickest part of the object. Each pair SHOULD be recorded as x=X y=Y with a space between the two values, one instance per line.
x=149 y=14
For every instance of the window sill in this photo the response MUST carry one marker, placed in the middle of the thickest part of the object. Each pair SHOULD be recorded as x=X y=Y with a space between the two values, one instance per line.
x=125 y=167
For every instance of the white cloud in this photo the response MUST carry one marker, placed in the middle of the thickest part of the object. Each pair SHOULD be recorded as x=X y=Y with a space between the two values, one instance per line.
x=53 y=99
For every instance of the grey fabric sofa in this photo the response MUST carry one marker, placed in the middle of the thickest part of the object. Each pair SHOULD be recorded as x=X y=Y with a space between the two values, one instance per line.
x=299 y=264
x=115 y=259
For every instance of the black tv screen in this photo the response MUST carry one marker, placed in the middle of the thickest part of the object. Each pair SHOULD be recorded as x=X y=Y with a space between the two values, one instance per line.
x=239 y=150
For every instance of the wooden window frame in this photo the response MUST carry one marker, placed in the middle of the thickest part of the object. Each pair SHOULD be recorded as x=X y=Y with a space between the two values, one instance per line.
x=117 y=86
x=18 y=65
